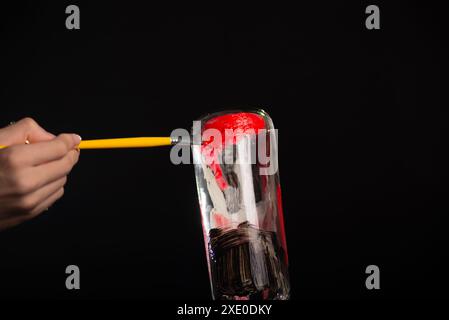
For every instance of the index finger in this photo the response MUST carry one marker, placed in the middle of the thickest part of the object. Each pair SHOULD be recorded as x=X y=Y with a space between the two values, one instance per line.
x=25 y=129
x=42 y=152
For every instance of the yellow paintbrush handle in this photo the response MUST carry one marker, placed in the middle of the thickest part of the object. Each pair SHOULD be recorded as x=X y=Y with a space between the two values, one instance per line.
x=142 y=142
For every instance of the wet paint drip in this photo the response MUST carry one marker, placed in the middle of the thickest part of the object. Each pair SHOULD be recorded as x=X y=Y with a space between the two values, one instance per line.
x=247 y=264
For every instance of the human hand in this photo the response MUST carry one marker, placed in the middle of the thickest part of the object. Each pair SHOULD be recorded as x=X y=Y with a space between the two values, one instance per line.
x=32 y=176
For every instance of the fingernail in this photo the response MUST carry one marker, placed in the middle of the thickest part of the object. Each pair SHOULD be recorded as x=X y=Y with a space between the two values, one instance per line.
x=77 y=138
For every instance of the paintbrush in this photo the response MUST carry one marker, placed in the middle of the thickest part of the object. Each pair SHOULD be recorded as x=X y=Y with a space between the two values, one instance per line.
x=140 y=142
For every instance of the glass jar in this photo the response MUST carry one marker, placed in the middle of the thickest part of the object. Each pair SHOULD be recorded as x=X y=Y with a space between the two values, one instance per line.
x=235 y=160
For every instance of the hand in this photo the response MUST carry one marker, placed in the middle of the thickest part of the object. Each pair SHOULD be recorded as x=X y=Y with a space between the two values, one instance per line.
x=32 y=176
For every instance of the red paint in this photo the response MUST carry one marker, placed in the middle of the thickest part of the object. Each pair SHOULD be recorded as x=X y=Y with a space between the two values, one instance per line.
x=281 y=222
x=242 y=123
x=220 y=220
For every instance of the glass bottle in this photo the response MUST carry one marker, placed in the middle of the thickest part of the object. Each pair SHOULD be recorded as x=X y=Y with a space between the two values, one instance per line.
x=236 y=169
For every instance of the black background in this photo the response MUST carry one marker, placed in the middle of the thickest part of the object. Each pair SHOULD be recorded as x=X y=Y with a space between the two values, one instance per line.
x=361 y=121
